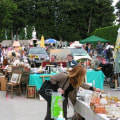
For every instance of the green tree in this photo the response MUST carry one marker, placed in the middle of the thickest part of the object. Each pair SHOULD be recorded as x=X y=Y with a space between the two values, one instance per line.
x=7 y=9
x=109 y=33
x=72 y=19
x=66 y=20
x=24 y=15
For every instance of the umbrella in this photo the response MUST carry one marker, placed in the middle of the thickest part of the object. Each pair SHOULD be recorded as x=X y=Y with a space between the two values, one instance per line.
x=93 y=39
x=42 y=43
x=76 y=44
x=50 y=40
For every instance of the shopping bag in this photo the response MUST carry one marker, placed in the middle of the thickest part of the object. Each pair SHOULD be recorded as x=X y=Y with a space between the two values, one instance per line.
x=56 y=104
x=46 y=91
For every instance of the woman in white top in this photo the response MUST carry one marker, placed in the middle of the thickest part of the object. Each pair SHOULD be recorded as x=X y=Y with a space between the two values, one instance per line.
x=108 y=52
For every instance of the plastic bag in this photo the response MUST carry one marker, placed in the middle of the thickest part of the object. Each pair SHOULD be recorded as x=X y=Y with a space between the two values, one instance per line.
x=56 y=104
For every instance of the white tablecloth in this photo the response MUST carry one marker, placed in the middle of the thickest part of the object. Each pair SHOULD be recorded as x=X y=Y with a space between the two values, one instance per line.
x=85 y=111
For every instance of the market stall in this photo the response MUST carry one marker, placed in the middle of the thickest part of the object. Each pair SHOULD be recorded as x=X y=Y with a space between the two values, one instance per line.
x=96 y=76
x=97 y=106
x=92 y=75
x=85 y=111
x=37 y=80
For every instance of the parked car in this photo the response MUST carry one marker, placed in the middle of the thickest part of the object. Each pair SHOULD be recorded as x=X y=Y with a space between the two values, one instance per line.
x=37 y=55
x=78 y=53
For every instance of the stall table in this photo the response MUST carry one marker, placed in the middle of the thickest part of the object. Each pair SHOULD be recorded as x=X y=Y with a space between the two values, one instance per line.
x=85 y=111
x=97 y=76
x=37 y=79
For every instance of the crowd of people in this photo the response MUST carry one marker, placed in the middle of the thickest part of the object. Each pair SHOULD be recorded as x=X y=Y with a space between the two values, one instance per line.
x=10 y=52
x=103 y=50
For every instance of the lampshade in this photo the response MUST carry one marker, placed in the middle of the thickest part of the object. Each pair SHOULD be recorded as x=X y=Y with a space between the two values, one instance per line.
x=16 y=44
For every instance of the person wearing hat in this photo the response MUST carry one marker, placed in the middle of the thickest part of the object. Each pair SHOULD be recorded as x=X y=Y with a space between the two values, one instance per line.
x=71 y=61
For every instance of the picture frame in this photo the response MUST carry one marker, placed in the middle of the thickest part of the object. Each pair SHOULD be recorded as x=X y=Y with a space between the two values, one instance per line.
x=15 y=77
x=31 y=92
x=18 y=81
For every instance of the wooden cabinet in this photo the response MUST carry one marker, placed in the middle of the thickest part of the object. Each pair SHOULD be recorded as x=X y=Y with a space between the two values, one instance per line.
x=3 y=83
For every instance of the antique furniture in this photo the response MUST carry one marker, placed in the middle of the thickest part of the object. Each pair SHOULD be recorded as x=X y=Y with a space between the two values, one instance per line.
x=2 y=83
x=15 y=84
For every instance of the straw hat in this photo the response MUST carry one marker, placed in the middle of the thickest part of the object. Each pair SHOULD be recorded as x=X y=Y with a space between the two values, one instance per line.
x=16 y=44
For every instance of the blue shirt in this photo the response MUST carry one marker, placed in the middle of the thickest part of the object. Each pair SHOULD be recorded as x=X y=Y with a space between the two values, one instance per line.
x=72 y=63
x=99 y=49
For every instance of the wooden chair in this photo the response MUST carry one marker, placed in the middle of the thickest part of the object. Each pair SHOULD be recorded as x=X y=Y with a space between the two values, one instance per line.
x=14 y=84
x=24 y=81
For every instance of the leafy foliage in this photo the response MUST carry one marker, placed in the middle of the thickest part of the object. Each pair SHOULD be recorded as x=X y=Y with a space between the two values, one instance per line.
x=66 y=20
x=7 y=9
x=109 y=33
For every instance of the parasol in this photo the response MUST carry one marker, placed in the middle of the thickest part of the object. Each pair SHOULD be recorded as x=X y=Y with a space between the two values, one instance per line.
x=76 y=44
x=50 y=40
x=42 y=42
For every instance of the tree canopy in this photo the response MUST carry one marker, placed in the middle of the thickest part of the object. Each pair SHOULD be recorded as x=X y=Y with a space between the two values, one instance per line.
x=66 y=20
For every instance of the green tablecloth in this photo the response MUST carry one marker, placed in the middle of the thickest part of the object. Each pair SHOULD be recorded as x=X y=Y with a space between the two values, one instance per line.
x=97 y=76
x=35 y=79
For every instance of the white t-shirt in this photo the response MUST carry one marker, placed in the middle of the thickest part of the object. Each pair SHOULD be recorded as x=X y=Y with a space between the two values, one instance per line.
x=107 y=47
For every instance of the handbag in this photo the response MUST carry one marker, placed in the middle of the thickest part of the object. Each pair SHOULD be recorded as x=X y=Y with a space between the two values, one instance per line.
x=46 y=90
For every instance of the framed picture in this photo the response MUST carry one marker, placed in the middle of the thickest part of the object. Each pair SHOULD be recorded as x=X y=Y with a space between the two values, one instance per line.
x=18 y=81
x=31 y=91
x=14 y=78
